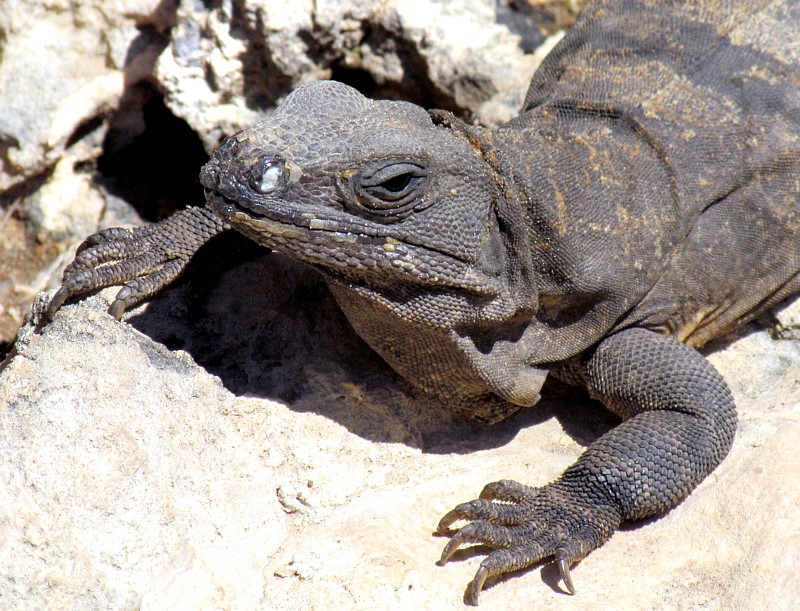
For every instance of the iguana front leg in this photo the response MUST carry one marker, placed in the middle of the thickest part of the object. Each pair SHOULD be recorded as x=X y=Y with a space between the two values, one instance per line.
x=144 y=259
x=679 y=422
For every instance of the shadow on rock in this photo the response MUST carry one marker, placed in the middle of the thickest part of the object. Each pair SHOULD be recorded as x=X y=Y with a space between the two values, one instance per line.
x=268 y=327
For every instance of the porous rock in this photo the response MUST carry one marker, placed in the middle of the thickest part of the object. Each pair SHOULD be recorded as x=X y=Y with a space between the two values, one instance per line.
x=243 y=448
x=224 y=66
x=132 y=476
x=76 y=78
x=62 y=65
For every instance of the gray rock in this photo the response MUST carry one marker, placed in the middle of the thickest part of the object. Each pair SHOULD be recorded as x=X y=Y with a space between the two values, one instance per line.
x=77 y=78
x=67 y=206
x=63 y=64
x=132 y=476
x=235 y=445
x=224 y=66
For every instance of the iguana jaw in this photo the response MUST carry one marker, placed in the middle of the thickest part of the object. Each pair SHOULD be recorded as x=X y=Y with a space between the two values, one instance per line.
x=347 y=246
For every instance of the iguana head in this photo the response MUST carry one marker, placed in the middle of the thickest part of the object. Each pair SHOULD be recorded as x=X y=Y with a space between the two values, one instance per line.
x=367 y=190
x=398 y=207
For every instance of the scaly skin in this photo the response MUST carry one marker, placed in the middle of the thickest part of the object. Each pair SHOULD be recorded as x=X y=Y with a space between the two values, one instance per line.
x=679 y=420
x=144 y=259
x=647 y=195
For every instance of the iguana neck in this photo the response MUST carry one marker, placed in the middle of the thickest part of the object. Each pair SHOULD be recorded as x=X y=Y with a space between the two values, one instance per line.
x=587 y=205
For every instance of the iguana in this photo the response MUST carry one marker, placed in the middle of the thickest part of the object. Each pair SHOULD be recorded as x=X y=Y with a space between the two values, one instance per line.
x=645 y=201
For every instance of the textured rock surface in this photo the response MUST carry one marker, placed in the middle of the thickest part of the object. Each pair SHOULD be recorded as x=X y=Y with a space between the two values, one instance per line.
x=223 y=65
x=302 y=473
x=66 y=69
x=63 y=64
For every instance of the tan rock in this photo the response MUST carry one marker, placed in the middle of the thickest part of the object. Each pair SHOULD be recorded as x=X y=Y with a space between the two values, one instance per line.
x=274 y=461
x=61 y=65
x=132 y=477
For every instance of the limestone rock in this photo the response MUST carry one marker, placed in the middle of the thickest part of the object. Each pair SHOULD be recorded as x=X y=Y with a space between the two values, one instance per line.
x=62 y=65
x=236 y=445
x=65 y=70
x=294 y=469
x=78 y=79
x=225 y=66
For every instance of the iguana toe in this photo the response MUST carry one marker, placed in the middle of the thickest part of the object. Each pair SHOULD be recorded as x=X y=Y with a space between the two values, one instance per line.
x=143 y=260
x=528 y=525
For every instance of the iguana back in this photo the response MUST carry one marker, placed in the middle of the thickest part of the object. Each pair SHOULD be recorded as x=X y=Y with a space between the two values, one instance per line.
x=713 y=89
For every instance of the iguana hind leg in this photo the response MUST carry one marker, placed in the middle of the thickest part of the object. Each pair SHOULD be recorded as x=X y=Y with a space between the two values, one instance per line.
x=679 y=422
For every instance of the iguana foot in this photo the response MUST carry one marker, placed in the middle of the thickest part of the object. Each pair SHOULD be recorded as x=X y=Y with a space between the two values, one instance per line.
x=144 y=260
x=562 y=519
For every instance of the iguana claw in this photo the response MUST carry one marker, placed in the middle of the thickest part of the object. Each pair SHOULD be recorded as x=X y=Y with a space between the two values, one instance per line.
x=142 y=260
x=529 y=524
x=475 y=587
x=563 y=568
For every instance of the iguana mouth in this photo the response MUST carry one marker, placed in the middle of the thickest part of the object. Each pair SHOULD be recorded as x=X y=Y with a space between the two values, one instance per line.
x=278 y=215
x=287 y=215
x=349 y=247
x=285 y=221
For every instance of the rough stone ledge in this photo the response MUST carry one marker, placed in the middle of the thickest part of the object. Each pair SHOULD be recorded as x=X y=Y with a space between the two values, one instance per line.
x=131 y=477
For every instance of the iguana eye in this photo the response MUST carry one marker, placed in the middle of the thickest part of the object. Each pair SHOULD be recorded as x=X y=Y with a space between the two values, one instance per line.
x=270 y=178
x=391 y=186
x=396 y=185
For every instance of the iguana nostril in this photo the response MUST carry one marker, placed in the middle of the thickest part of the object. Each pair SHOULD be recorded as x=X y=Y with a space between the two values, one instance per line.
x=209 y=175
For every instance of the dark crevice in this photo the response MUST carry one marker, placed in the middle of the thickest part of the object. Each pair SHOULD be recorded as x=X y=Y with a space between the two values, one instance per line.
x=25 y=188
x=264 y=82
x=5 y=350
x=415 y=85
x=358 y=79
x=84 y=129
x=151 y=158
x=7 y=142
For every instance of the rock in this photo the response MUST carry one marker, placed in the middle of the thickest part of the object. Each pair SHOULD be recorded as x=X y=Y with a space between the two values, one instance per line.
x=202 y=72
x=132 y=476
x=223 y=67
x=67 y=206
x=85 y=87
x=236 y=445
x=480 y=68
x=66 y=69
x=64 y=64
x=86 y=498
